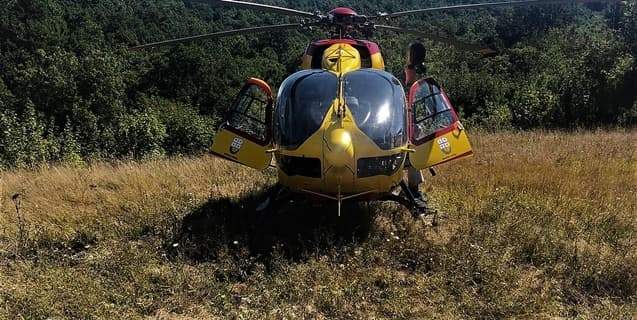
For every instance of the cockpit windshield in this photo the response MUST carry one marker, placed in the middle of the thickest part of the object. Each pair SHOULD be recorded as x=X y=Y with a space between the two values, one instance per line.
x=302 y=103
x=377 y=102
x=375 y=98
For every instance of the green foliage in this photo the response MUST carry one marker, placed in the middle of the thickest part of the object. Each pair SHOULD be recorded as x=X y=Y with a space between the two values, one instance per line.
x=139 y=134
x=6 y=97
x=629 y=117
x=23 y=139
x=493 y=117
x=47 y=79
x=624 y=18
x=67 y=80
x=532 y=106
x=70 y=150
x=575 y=75
x=187 y=132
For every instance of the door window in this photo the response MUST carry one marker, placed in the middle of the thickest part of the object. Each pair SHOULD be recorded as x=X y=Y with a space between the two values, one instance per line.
x=245 y=136
x=250 y=113
x=431 y=110
x=437 y=135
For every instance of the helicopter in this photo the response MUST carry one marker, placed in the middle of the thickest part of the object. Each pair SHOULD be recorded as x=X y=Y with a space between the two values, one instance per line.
x=342 y=128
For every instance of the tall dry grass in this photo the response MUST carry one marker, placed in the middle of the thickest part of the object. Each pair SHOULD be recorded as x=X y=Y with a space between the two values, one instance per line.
x=538 y=225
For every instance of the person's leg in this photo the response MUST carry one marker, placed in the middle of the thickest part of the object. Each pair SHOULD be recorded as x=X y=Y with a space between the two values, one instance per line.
x=414 y=180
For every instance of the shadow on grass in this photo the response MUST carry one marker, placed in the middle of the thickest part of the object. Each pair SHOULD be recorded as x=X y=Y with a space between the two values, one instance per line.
x=296 y=228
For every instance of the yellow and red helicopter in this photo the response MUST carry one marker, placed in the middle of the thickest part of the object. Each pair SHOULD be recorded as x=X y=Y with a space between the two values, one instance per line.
x=343 y=128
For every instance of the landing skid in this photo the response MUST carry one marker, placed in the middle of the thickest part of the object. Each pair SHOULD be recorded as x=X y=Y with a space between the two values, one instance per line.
x=418 y=207
x=274 y=197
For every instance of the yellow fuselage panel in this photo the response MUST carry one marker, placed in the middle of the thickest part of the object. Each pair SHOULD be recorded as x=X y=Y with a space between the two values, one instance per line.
x=341 y=58
x=376 y=58
x=377 y=61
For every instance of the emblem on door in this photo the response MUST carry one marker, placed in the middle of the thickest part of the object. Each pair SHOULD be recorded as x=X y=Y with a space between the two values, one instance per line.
x=236 y=145
x=444 y=145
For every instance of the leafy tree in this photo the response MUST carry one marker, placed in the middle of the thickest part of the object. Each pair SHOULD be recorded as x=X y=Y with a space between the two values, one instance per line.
x=71 y=91
x=139 y=135
x=187 y=132
x=70 y=149
x=23 y=139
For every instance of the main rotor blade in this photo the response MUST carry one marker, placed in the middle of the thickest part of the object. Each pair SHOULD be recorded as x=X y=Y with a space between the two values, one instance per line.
x=436 y=38
x=487 y=5
x=261 y=7
x=219 y=35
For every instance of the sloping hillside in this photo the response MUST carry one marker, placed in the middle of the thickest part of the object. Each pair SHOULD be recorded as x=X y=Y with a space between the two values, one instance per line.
x=539 y=225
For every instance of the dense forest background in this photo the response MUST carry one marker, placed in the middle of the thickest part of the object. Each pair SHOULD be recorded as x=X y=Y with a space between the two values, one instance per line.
x=70 y=91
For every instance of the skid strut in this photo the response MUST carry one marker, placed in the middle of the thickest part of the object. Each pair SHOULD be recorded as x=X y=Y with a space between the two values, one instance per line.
x=274 y=196
x=406 y=198
x=339 y=197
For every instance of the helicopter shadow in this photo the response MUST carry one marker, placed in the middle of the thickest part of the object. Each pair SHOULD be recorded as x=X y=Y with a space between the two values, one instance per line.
x=296 y=229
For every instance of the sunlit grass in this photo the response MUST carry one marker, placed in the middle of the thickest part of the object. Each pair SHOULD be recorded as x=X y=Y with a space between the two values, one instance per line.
x=538 y=225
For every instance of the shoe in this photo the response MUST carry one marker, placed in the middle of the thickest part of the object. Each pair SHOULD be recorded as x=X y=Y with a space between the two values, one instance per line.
x=420 y=198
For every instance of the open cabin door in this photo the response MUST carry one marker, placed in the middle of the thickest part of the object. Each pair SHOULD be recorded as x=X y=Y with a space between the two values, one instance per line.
x=435 y=131
x=245 y=136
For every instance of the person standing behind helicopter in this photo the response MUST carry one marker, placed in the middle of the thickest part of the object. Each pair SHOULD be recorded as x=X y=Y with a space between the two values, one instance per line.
x=415 y=69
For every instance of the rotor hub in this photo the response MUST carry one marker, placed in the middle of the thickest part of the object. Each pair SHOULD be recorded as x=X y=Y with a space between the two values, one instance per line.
x=343 y=12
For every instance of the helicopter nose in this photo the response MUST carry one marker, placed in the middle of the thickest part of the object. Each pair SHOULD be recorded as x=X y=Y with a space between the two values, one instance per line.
x=340 y=148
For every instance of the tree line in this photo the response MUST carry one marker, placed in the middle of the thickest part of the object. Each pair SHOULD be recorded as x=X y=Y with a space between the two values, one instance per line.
x=71 y=91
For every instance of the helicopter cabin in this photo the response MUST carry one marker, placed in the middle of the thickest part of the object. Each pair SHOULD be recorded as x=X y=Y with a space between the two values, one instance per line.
x=369 y=53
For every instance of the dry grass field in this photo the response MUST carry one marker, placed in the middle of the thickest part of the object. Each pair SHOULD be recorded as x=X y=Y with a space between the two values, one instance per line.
x=537 y=225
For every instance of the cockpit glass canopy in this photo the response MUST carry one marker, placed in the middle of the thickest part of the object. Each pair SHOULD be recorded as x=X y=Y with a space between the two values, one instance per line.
x=375 y=98
x=377 y=102
x=302 y=104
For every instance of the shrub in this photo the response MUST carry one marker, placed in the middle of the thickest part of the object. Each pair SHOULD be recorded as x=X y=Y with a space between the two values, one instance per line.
x=494 y=117
x=629 y=117
x=533 y=106
x=187 y=132
x=23 y=139
x=70 y=150
x=139 y=135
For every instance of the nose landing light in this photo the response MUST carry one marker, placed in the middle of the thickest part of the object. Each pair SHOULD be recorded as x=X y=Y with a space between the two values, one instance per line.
x=340 y=148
